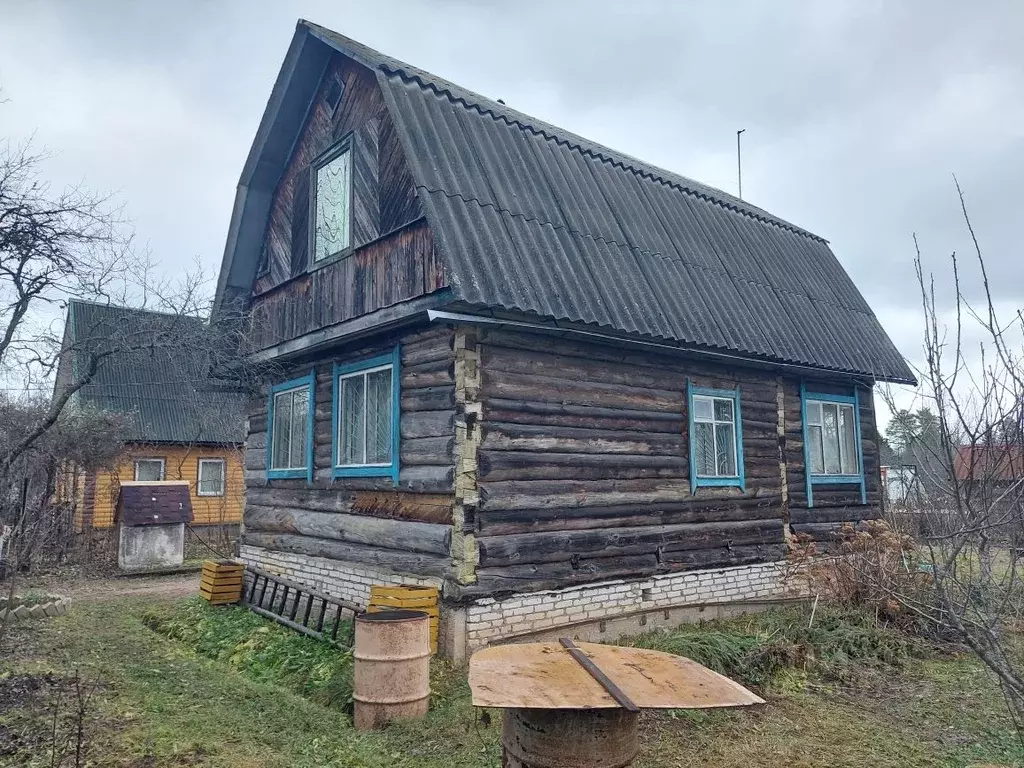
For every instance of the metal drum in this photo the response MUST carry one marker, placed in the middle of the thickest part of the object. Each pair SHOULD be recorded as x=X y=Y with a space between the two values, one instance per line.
x=392 y=667
x=568 y=738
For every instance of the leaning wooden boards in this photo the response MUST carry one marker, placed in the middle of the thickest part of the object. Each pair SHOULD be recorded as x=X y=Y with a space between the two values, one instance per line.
x=221 y=581
x=407 y=597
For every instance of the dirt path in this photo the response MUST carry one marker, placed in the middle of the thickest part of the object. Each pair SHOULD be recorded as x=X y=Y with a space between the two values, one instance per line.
x=90 y=588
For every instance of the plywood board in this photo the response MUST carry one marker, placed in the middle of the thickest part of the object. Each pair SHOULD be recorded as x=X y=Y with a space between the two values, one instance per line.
x=545 y=676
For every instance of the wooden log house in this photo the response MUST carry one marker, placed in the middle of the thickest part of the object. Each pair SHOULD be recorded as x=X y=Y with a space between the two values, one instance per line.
x=560 y=383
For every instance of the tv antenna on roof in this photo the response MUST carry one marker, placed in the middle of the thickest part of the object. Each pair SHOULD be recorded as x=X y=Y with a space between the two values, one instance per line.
x=739 y=163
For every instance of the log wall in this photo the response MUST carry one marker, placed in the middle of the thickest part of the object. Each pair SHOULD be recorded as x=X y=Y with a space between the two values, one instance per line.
x=583 y=467
x=367 y=521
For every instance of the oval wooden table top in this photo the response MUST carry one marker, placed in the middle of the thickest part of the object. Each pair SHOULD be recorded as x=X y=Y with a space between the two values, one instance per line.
x=546 y=676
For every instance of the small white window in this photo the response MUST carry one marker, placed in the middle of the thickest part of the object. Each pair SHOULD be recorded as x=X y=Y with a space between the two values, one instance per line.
x=149 y=470
x=290 y=429
x=714 y=436
x=211 y=477
x=832 y=438
x=365 y=423
x=332 y=195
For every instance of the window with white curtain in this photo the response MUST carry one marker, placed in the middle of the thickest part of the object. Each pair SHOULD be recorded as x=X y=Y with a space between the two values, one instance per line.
x=714 y=436
x=332 y=208
x=365 y=418
x=831 y=433
x=211 y=479
x=289 y=437
x=149 y=470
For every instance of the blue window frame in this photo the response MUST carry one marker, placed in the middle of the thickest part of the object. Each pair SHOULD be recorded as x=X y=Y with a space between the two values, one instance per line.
x=365 y=417
x=832 y=444
x=716 y=437
x=290 y=428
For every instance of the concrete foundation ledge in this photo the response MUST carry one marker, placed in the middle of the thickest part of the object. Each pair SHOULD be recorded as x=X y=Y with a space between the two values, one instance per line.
x=21 y=608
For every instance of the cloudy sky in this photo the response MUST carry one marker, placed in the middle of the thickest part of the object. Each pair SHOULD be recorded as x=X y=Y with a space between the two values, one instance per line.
x=856 y=112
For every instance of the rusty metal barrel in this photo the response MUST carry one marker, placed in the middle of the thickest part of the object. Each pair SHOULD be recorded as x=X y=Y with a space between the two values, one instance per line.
x=568 y=738
x=392 y=667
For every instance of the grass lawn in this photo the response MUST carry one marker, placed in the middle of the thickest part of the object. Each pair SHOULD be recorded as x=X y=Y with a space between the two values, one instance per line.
x=158 y=703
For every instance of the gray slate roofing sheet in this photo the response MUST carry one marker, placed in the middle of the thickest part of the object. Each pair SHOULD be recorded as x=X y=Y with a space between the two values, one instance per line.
x=158 y=376
x=532 y=218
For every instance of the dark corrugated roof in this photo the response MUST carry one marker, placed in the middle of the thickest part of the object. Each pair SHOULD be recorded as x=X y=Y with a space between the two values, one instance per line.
x=531 y=218
x=158 y=374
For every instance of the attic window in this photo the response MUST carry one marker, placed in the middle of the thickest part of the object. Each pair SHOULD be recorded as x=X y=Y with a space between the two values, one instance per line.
x=333 y=93
x=332 y=202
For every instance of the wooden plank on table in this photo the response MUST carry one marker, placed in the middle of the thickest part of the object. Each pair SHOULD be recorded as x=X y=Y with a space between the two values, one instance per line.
x=545 y=675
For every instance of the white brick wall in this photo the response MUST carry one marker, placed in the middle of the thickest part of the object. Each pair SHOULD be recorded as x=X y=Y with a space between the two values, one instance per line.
x=342 y=580
x=488 y=620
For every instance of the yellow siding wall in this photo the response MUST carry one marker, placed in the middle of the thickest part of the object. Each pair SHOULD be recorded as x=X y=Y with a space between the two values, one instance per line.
x=181 y=462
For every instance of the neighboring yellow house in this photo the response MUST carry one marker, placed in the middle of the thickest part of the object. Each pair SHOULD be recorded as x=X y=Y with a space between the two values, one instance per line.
x=180 y=426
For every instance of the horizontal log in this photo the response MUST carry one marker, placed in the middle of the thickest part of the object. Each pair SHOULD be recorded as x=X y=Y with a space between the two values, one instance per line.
x=426 y=479
x=556 y=546
x=389 y=560
x=820 y=531
x=534 y=576
x=718 y=376
x=833 y=514
x=588 y=411
x=582 y=518
x=433 y=508
x=517 y=465
x=427 y=423
x=503 y=436
x=420 y=451
x=256 y=441
x=428 y=351
x=355 y=529
x=428 y=398
x=514 y=386
x=725 y=556
x=256 y=460
x=425 y=377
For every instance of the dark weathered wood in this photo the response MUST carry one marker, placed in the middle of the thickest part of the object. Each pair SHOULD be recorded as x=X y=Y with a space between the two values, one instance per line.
x=833 y=514
x=428 y=399
x=416 y=564
x=385 y=504
x=724 y=556
x=427 y=424
x=355 y=529
x=418 y=451
x=556 y=546
x=580 y=518
x=540 y=438
x=533 y=576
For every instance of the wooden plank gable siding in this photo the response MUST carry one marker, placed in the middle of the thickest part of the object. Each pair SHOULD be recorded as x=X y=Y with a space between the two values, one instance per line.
x=583 y=466
x=368 y=520
x=383 y=273
x=393 y=257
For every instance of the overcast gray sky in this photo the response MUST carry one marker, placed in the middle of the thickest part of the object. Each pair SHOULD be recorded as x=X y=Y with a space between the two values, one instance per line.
x=856 y=111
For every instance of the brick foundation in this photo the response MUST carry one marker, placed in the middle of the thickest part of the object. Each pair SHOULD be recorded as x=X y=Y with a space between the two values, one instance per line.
x=602 y=611
x=342 y=580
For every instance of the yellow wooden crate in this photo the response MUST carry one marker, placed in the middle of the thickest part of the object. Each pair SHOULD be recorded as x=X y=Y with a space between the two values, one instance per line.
x=220 y=581
x=384 y=597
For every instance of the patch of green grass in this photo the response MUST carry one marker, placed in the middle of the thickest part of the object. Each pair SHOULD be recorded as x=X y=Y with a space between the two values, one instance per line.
x=758 y=649
x=261 y=649
x=164 y=703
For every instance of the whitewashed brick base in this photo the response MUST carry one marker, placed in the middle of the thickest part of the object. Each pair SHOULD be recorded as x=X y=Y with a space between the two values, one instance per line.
x=343 y=580
x=610 y=603
x=490 y=620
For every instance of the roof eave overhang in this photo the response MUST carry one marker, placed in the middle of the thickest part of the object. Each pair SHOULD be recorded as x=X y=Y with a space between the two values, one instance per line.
x=279 y=128
x=574 y=331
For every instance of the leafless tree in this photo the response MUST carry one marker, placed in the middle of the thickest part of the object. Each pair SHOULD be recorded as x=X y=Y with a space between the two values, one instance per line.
x=972 y=380
x=59 y=245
